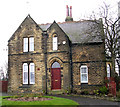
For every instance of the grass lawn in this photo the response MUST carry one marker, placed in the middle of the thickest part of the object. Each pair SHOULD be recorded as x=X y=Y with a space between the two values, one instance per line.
x=54 y=101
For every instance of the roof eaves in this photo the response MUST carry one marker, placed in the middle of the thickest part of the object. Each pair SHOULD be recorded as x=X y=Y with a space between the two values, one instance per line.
x=86 y=43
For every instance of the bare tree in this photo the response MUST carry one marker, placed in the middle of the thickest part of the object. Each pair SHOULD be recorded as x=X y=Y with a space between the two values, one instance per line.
x=1 y=73
x=6 y=70
x=118 y=57
x=111 y=28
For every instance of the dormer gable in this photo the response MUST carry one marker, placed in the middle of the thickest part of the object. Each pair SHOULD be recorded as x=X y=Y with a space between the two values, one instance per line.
x=54 y=25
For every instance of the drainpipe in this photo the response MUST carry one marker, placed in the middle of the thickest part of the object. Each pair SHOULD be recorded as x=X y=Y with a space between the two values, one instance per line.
x=45 y=36
x=71 y=66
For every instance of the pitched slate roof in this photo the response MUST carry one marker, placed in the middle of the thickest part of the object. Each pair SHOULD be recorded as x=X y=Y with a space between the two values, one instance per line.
x=80 y=31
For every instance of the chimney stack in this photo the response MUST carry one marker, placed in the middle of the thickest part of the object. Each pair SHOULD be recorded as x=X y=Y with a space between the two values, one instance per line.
x=70 y=11
x=68 y=15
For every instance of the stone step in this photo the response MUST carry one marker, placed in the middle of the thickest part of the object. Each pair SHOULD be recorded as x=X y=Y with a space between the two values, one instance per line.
x=54 y=92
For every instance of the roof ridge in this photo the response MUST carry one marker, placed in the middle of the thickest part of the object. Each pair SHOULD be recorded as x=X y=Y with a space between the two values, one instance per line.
x=44 y=23
x=82 y=20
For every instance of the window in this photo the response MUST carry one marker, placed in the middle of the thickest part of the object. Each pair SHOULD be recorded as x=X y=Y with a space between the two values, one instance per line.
x=55 y=45
x=25 y=73
x=31 y=44
x=32 y=74
x=55 y=65
x=28 y=73
x=28 y=44
x=25 y=46
x=108 y=70
x=84 y=74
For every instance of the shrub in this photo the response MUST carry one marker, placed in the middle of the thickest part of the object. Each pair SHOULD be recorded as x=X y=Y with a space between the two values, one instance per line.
x=117 y=80
x=96 y=92
x=103 y=90
x=84 y=93
x=43 y=91
x=75 y=92
x=118 y=94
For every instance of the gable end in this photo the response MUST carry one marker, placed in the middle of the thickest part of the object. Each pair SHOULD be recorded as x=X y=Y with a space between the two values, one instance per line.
x=19 y=28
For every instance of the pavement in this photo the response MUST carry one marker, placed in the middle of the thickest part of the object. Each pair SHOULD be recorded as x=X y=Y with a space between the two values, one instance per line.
x=4 y=94
x=85 y=102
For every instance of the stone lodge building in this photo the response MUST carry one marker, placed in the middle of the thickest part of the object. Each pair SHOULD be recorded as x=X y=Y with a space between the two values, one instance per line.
x=64 y=56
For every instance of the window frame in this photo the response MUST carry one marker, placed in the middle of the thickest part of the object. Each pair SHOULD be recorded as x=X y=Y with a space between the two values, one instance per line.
x=25 y=64
x=83 y=66
x=108 y=73
x=28 y=44
x=28 y=73
x=25 y=44
x=55 y=43
x=31 y=44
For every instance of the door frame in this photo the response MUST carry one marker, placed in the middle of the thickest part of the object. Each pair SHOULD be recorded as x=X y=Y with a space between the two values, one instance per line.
x=50 y=62
x=52 y=82
x=55 y=67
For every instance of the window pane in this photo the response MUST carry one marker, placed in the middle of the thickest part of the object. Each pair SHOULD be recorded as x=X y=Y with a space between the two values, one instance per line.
x=55 y=65
x=32 y=75
x=25 y=45
x=31 y=43
x=31 y=68
x=25 y=80
x=54 y=43
x=25 y=73
x=84 y=77
x=108 y=70
x=84 y=74
x=25 y=68
x=83 y=70
x=32 y=78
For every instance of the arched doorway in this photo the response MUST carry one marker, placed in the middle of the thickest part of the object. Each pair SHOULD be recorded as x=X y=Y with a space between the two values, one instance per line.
x=55 y=76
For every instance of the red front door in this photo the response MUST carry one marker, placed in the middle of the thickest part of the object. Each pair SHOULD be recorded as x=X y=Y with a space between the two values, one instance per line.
x=55 y=78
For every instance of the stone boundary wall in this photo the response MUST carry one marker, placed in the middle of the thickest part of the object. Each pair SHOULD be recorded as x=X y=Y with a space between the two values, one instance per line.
x=3 y=85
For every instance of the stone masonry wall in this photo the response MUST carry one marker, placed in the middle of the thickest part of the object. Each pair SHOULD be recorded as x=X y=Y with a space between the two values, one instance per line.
x=94 y=58
x=17 y=57
x=62 y=55
x=91 y=55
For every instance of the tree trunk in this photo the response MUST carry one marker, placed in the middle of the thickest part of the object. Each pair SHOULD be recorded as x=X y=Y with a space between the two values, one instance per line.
x=119 y=70
x=113 y=67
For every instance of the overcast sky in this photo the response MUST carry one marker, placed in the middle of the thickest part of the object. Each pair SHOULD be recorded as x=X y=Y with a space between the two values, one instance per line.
x=13 y=12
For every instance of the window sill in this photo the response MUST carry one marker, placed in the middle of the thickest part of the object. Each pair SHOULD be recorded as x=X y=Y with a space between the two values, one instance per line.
x=29 y=52
x=55 y=50
x=84 y=85
x=84 y=82
x=25 y=86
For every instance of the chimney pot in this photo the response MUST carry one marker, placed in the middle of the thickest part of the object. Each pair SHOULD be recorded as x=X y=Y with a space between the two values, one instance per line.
x=70 y=11
x=67 y=8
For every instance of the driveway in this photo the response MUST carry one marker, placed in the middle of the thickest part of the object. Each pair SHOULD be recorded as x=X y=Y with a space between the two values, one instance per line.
x=89 y=102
